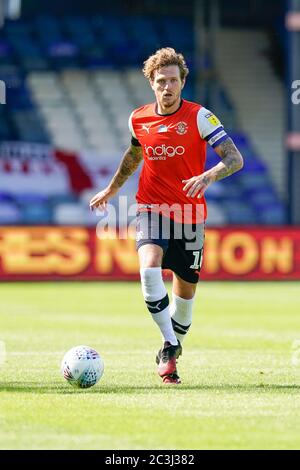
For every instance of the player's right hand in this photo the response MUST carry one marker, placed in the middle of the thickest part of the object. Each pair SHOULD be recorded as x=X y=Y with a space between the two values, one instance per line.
x=99 y=201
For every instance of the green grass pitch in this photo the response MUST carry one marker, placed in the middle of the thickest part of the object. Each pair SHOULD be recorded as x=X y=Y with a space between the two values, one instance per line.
x=240 y=388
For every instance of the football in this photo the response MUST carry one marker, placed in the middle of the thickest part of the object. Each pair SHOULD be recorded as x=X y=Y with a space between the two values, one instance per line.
x=82 y=366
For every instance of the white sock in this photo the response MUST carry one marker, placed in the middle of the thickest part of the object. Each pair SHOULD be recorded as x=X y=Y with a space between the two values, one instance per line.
x=157 y=300
x=181 y=311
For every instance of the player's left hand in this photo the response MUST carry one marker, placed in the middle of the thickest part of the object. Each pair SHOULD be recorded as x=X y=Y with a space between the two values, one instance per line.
x=196 y=185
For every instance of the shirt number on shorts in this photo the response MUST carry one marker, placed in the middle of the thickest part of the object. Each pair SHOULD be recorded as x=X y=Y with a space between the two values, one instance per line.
x=197 y=260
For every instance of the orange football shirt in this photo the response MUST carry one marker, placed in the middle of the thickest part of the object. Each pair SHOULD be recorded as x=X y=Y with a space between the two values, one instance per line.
x=174 y=149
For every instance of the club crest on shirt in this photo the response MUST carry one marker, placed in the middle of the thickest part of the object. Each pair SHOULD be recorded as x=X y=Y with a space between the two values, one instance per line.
x=181 y=128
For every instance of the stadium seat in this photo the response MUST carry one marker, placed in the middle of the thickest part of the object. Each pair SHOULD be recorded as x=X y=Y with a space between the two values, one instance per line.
x=215 y=191
x=272 y=214
x=239 y=212
x=9 y=213
x=70 y=214
x=36 y=214
x=216 y=215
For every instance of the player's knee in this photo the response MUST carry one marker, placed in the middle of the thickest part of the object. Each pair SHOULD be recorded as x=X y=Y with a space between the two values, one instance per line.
x=152 y=284
x=150 y=256
x=152 y=263
x=184 y=290
x=188 y=293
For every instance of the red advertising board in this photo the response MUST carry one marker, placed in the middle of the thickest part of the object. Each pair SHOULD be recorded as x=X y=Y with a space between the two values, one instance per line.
x=50 y=253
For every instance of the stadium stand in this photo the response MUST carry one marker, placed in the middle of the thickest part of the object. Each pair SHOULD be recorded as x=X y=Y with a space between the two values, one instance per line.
x=257 y=94
x=71 y=85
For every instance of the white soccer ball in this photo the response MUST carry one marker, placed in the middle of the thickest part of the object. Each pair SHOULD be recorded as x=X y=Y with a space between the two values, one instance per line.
x=82 y=366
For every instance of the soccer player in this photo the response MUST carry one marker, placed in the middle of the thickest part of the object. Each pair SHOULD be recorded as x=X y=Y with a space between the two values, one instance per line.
x=171 y=135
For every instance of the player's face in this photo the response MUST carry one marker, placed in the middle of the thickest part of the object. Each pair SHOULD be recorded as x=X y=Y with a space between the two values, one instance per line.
x=167 y=86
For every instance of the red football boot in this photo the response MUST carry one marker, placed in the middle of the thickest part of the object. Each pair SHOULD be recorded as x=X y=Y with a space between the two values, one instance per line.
x=166 y=358
x=172 y=379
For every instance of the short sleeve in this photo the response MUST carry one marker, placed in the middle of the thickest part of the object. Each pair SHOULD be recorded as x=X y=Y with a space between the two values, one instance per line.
x=134 y=140
x=210 y=128
x=131 y=126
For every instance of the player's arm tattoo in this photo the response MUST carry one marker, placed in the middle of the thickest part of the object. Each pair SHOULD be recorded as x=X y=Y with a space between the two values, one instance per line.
x=129 y=164
x=232 y=160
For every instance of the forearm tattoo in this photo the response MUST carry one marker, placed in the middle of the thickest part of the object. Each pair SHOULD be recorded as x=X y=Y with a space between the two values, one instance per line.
x=232 y=160
x=128 y=165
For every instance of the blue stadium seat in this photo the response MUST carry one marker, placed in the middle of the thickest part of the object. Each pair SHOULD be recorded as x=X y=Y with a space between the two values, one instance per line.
x=9 y=213
x=60 y=199
x=30 y=126
x=272 y=214
x=5 y=49
x=37 y=213
x=48 y=31
x=6 y=197
x=262 y=197
x=143 y=27
x=252 y=181
x=177 y=32
x=5 y=130
x=239 y=212
x=33 y=198
x=215 y=192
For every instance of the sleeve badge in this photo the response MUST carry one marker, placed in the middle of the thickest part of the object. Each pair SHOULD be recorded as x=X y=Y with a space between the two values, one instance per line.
x=213 y=119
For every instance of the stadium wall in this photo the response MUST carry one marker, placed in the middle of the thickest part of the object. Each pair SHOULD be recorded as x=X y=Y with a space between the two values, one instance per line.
x=79 y=253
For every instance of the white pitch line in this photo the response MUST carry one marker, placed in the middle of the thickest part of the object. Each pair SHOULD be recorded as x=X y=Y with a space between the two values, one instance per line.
x=202 y=354
x=28 y=353
x=61 y=353
x=57 y=353
x=107 y=353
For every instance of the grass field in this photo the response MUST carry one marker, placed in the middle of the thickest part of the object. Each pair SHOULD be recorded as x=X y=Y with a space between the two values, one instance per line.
x=240 y=388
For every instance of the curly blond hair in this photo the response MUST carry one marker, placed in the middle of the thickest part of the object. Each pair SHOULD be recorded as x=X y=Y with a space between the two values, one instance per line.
x=162 y=58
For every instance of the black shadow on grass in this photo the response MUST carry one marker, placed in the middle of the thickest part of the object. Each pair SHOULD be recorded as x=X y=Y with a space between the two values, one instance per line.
x=65 y=389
